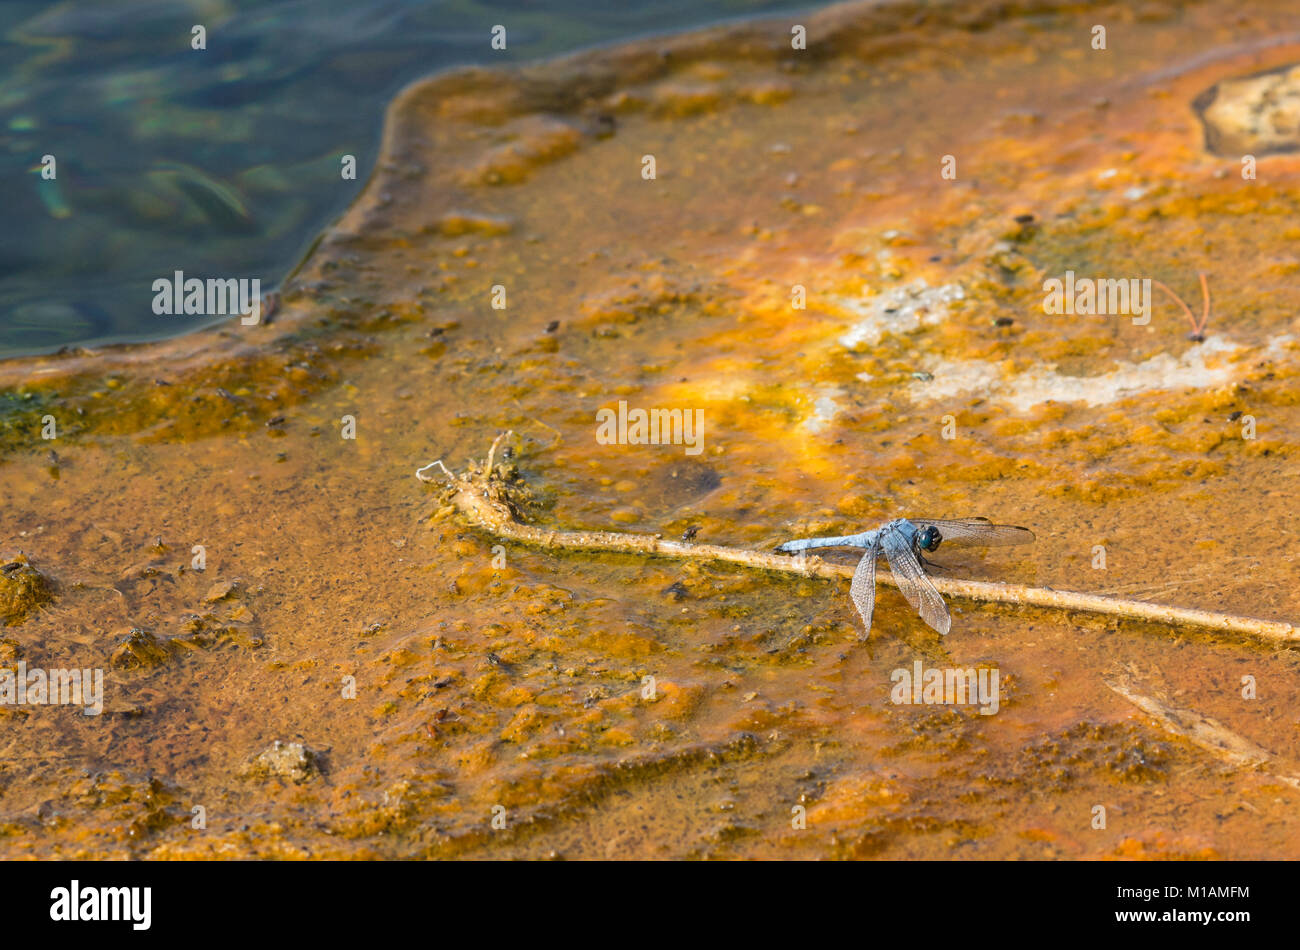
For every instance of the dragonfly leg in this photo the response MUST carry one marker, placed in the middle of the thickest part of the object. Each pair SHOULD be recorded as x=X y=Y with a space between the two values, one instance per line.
x=927 y=563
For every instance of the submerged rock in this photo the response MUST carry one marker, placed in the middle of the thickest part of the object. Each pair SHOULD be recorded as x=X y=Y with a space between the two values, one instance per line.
x=22 y=589
x=1255 y=115
x=221 y=591
x=139 y=650
x=290 y=761
x=679 y=483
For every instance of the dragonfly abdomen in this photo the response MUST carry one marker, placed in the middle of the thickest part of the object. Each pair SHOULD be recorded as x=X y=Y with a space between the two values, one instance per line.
x=845 y=541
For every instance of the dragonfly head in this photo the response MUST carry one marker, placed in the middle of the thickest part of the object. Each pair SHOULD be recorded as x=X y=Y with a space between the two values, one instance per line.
x=929 y=537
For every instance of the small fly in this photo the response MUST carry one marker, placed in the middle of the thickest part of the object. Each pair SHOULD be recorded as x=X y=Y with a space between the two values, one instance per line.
x=905 y=542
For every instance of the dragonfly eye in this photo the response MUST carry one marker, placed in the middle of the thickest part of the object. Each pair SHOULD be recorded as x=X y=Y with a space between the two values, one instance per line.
x=930 y=538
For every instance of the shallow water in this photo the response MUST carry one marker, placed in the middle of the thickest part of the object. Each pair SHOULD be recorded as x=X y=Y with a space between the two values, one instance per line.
x=226 y=161
x=507 y=678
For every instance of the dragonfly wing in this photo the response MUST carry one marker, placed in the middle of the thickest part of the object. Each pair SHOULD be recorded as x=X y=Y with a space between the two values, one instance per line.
x=976 y=531
x=913 y=582
x=863 y=588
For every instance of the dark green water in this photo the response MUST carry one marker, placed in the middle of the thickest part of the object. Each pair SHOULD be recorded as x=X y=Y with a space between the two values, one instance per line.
x=223 y=162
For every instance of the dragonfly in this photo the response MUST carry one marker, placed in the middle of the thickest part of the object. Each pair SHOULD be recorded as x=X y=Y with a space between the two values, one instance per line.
x=904 y=543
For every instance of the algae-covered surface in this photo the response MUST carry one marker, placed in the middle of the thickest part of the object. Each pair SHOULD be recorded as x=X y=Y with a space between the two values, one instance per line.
x=305 y=654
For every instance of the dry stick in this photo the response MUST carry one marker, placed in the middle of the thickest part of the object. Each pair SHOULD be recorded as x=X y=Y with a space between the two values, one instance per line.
x=1211 y=735
x=475 y=501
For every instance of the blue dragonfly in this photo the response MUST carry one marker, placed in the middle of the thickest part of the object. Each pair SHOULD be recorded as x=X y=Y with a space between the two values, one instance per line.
x=905 y=542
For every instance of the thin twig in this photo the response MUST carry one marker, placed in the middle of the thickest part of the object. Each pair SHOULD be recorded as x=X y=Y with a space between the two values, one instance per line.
x=1205 y=295
x=419 y=472
x=1197 y=330
x=492 y=454
x=482 y=500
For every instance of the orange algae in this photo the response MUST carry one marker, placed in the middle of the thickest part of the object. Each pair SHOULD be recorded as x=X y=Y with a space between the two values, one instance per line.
x=426 y=682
